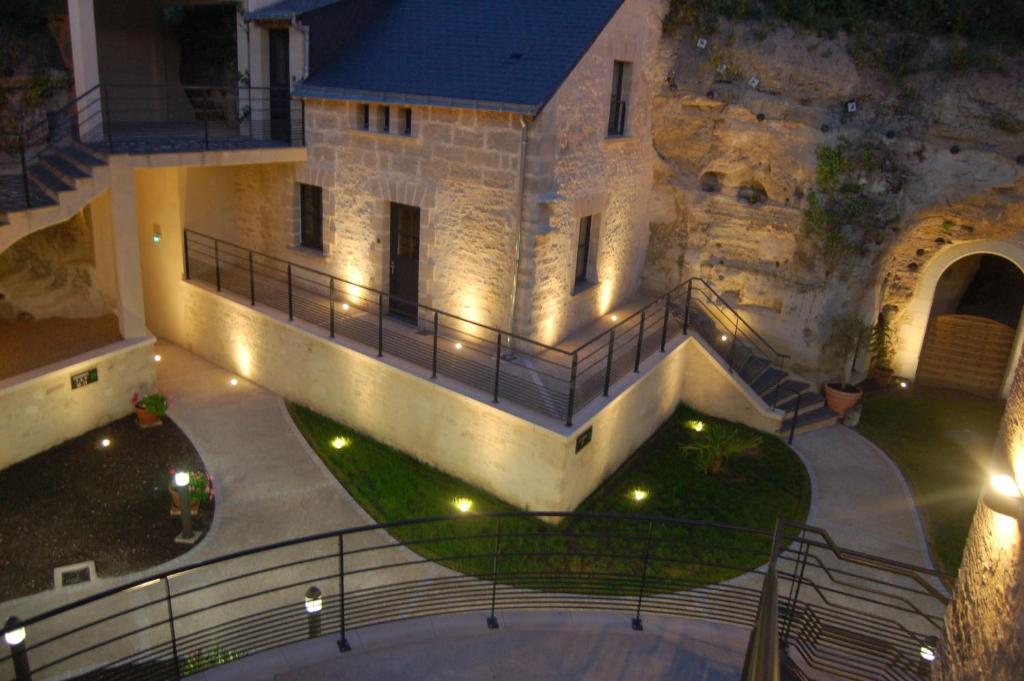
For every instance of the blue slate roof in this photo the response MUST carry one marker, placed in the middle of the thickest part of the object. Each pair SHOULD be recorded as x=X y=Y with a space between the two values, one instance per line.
x=508 y=55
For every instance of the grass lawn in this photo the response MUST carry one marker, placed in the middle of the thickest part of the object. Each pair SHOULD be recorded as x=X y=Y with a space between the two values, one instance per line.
x=941 y=440
x=754 y=489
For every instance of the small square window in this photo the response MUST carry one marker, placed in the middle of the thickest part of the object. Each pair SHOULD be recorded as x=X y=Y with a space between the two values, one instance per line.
x=621 y=73
x=311 y=217
x=364 y=116
x=583 y=250
x=407 y=118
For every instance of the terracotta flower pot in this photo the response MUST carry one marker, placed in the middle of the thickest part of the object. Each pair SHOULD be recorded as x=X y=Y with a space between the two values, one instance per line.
x=146 y=417
x=840 y=398
x=193 y=504
x=881 y=377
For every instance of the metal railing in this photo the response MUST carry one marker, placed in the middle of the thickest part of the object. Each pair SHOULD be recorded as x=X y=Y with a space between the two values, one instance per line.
x=153 y=119
x=858 y=616
x=550 y=380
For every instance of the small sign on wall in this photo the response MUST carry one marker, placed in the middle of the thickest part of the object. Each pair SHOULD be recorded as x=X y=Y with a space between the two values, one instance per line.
x=84 y=378
x=584 y=438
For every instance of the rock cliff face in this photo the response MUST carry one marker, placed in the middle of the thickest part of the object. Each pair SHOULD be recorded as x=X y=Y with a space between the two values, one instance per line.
x=936 y=157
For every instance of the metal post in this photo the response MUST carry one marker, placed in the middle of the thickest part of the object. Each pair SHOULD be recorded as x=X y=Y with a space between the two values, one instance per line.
x=216 y=261
x=639 y=342
x=186 y=512
x=380 y=324
x=497 y=367
x=796 y=414
x=794 y=592
x=343 y=645
x=252 y=282
x=19 y=653
x=664 y=322
x=302 y=112
x=188 y=273
x=608 y=368
x=24 y=171
x=170 y=623
x=105 y=117
x=492 y=621
x=332 y=305
x=206 y=134
x=572 y=389
x=638 y=624
x=686 y=311
x=732 y=346
x=291 y=305
x=433 y=364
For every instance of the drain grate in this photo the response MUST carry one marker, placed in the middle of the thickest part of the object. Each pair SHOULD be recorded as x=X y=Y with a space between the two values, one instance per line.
x=69 y=575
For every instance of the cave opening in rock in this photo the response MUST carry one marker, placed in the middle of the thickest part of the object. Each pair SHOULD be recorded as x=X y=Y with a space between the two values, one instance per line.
x=711 y=183
x=972 y=327
x=752 y=192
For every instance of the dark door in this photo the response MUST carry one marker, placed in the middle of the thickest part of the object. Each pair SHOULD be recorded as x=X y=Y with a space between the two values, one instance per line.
x=405 y=260
x=280 y=116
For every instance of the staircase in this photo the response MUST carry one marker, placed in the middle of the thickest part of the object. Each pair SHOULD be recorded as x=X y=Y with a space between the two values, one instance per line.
x=753 y=360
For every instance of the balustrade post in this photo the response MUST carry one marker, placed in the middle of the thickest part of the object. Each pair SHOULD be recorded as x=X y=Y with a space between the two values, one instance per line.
x=492 y=621
x=686 y=311
x=252 y=282
x=216 y=263
x=380 y=324
x=170 y=623
x=188 y=272
x=206 y=134
x=638 y=624
x=331 y=280
x=433 y=362
x=497 y=367
x=105 y=117
x=24 y=171
x=664 y=321
x=343 y=645
x=608 y=367
x=639 y=342
x=572 y=389
x=732 y=345
x=291 y=305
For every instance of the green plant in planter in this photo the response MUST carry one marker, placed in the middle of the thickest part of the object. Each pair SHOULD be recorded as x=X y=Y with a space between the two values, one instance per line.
x=847 y=332
x=154 y=403
x=882 y=344
x=718 y=443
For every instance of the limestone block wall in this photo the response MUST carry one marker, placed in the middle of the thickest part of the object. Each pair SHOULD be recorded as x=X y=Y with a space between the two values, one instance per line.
x=984 y=635
x=574 y=169
x=39 y=410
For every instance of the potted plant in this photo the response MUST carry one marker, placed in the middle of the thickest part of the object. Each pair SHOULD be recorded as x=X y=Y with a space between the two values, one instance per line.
x=847 y=333
x=881 y=352
x=200 y=490
x=149 y=410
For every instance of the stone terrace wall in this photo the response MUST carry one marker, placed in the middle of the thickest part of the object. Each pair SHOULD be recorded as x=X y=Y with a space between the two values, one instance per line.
x=574 y=169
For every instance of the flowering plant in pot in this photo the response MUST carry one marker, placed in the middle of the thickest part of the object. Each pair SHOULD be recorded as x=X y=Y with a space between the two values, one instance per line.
x=200 y=490
x=881 y=352
x=847 y=333
x=149 y=409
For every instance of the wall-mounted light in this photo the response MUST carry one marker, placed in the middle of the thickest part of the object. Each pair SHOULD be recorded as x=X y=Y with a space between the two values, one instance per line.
x=1003 y=495
x=157 y=233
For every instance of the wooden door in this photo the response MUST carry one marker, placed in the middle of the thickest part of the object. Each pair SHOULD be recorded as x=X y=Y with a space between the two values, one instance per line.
x=967 y=353
x=405 y=260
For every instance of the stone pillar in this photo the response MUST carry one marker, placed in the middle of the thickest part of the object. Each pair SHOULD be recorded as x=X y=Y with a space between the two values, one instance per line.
x=984 y=637
x=82 y=22
x=131 y=310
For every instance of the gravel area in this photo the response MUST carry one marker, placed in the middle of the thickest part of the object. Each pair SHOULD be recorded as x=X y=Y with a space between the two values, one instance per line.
x=78 y=502
x=27 y=345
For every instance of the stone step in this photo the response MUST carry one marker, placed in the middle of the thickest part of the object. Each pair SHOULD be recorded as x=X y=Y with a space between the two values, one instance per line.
x=47 y=181
x=779 y=391
x=83 y=155
x=753 y=369
x=822 y=417
x=808 y=401
x=64 y=168
x=767 y=380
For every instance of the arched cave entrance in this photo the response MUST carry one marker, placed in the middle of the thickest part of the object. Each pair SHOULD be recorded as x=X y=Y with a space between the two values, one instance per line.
x=973 y=325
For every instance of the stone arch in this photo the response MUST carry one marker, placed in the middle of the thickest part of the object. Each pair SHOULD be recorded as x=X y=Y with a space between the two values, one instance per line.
x=913 y=323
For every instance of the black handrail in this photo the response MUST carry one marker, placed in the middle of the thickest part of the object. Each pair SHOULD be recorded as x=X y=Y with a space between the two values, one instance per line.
x=629 y=563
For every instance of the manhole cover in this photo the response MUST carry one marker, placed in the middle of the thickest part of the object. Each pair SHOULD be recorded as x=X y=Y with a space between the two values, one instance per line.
x=69 y=575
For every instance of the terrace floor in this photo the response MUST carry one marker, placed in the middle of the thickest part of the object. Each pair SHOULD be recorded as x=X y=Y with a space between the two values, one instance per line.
x=30 y=344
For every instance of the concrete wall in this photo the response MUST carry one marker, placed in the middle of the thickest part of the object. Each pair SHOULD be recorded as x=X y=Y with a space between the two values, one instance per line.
x=984 y=635
x=39 y=410
x=574 y=169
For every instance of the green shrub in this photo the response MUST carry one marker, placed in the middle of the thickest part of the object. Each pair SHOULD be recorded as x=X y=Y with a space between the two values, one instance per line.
x=717 y=444
x=201 y=659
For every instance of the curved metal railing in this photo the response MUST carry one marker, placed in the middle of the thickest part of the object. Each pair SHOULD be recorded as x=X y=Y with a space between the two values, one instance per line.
x=864 y=615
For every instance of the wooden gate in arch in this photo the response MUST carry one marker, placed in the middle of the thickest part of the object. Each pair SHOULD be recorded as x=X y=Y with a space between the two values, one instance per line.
x=967 y=353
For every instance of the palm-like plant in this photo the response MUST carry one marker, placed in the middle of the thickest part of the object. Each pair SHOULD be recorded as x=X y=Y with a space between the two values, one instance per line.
x=717 y=444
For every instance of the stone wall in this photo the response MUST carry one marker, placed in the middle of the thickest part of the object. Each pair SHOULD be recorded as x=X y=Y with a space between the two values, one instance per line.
x=575 y=169
x=951 y=170
x=39 y=410
x=984 y=635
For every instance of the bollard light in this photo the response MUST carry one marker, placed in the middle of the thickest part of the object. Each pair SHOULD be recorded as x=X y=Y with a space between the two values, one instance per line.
x=14 y=636
x=314 y=604
x=187 y=536
x=181 y=478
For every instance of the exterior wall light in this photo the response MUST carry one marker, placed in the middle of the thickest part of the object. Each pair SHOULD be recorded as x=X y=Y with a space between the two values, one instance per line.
x=105 y=442
x=233 y=381
x=314 y=604
x=639 y=494
x=157 y=358
x=339 y=442
x=464 y=504
x=157 y=234
x=1003 y=496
